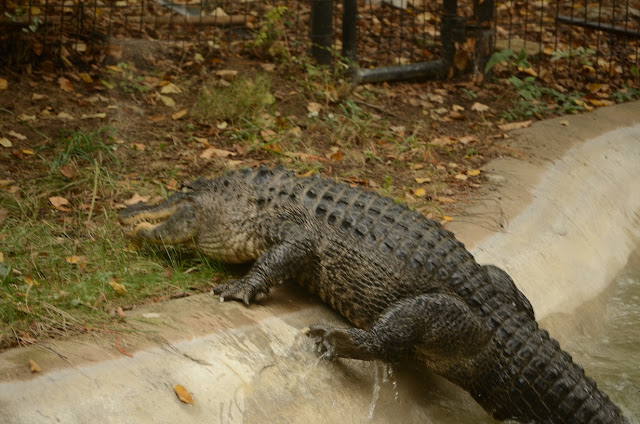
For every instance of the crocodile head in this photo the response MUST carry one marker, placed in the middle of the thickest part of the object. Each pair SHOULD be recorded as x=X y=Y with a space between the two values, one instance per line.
x=173 y=221
x=213 y=216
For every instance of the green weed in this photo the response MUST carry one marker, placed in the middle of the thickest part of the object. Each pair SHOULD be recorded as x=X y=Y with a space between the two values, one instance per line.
x=243 y=100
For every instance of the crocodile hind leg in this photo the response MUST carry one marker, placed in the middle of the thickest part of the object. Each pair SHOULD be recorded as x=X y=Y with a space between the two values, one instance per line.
x=438 y=323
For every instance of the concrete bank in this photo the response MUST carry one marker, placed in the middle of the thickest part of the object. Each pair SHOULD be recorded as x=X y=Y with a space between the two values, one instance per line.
x=562 y=220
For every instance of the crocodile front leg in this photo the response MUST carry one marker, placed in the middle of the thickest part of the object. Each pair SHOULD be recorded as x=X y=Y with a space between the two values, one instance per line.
x=439 y=324
x=283 y=261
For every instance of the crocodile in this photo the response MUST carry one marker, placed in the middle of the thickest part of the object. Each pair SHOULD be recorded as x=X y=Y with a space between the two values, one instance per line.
x=409 y=287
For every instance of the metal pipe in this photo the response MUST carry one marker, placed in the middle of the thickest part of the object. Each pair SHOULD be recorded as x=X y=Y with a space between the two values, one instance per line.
x=598 y=26
x=432 y=69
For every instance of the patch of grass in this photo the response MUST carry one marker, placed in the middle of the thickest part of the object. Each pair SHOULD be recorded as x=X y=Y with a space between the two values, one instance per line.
x=539 y=101
x=57 y=266
x=242 y=100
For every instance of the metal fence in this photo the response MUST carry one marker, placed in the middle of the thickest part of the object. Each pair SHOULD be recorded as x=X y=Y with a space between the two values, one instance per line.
x=386 y=38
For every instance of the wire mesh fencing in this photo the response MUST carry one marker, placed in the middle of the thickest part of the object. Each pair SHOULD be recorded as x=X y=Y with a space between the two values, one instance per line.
x=592 y=39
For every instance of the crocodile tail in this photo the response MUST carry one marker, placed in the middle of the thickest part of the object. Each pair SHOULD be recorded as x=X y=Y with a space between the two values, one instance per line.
x=540 y=383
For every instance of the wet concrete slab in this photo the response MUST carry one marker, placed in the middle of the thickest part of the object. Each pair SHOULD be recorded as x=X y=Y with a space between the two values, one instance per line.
x=562 y=219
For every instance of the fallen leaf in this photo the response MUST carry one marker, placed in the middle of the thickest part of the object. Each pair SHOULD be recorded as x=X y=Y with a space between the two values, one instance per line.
x=59 y=203
x=36 y=96
x=473 y=172
x=602 y=102
x=138 y=146
x=168 y=101
x=183 y=394
x=457 y=108
x=118 y=289
x=179 y=114
x=447 y=218
x=17 y=135
x=209 y=152
x=85 y=76
x=30 y=281
x=65 y=115
x=66 y=170
x=461 y=177
x=65 y=85
x=170 y=88
x=479 y=107
x=445 y=199
x=227 y=74
x=80 y=261
x=422 y=180
x=120 y=312
x=136 y=198
x=419 y=192
x=3 y=84
x=314 y=109
x=25 y=117
x=222 y=125
x=565 y=123
x=515 y=125
x=33 y=366
x=5 y=142
x=100 y=115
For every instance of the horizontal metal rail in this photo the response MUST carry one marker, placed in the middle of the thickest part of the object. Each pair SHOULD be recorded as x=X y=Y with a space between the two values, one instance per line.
x=598 y=26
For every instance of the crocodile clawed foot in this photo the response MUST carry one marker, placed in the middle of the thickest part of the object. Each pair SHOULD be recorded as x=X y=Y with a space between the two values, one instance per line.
x=332 y=342
x=244 y=290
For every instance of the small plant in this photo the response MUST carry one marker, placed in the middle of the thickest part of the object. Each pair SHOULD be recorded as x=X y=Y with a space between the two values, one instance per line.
x=507 y=55
x=627 y=94
x=241 y=102
x=580 y=53
x=531 y=103
x=271 y=38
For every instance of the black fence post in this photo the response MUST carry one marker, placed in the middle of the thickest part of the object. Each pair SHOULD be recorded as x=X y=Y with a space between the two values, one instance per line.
x=321 y=30
x=449 y=10
x=349 y=29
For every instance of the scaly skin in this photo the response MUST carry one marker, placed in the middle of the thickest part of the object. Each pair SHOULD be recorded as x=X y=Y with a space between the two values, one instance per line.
x=410 y=288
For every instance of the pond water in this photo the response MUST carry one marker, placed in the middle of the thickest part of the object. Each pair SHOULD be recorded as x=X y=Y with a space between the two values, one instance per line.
x=611 y=355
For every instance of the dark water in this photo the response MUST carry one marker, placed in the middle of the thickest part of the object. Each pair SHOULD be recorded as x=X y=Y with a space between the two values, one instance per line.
x=611 y=355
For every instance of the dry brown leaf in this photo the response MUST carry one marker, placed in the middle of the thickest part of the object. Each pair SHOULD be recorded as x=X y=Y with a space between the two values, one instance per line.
x=422 y=180
x=136 y=198
x=80 y=261
x=515 y=125
x=59 y=203
x=66 y=170
x=5 y=142
x=33 y=366
x=3 y=84
x=183 y=394
x=473 y=172
x=210 y=152
x=227 y=74
x=479 y=107
x=168 y=101
x=99 y=115
x=445 y=199
x=65 y=115
x=138 y=146
x=179 y=114
x=65 y=85
x=419 y=192
x=457 y=108
x=118 y=289
x=461 y=177
x=171 y=88
x=314 y=109
x=17 y=135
